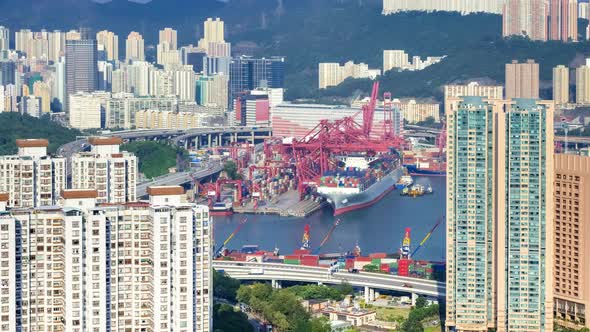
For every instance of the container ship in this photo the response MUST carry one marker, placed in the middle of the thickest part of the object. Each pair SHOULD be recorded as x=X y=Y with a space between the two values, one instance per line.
x=361 y=182
x=425 y=163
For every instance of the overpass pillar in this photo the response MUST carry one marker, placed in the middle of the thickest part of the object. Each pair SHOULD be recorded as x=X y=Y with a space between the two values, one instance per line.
x=235 y=137
x=367 y=289
x=197 y=141
x=253 y=136
x=209 y=140
x=414 y=298
x=219 y=140
x=372 y=294
x=275 y=284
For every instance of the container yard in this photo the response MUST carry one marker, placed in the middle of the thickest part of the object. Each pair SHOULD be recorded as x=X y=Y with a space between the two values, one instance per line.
x=342 y=163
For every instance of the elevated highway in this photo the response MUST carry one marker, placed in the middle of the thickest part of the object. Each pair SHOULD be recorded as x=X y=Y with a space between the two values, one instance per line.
x=285 y=272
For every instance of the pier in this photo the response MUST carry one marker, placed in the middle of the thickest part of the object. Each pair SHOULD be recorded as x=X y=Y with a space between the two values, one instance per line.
x=286 y=205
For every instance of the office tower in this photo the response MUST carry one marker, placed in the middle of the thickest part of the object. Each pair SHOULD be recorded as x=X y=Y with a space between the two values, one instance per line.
x=583 y=84
x=572 y=268
x=215 y=65
x=31 y=177
x=7 y=72
x=499 y=201
x=213 y=90
x=522 y=79
x=59 y=83
x=394 y=59
x=134 y=47
x=81 y=67
x=169 y=36
x=86 y=111
x=525 y=17
x=21 y=39
x=110 y=41
x=57 y=45
x=561 y=76
x=195 y=58
x=112 y=172
x=4 y=38
x=105 y=75
x=43 y=91
x=247 y=73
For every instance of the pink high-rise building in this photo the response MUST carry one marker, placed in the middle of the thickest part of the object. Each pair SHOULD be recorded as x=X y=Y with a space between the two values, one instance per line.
x=525 y=18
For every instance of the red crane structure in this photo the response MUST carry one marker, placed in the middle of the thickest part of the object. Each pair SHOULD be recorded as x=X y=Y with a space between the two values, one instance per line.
x=313 y=153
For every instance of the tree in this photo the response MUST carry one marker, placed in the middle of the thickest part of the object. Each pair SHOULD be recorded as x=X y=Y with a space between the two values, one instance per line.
x=226 y=319
x=231 y=169
x=225 y=287
x=345 y=288
x=371 y=268
x=411 y=325
x=421 y=302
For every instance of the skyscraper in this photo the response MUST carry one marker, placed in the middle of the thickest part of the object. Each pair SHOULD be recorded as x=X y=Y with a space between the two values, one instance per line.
x=7 y=72
x=525 y=17
x=169 y=36
x=583 y=84
x=213 y=40
x=81 y=67
x=563 y=20
x=110 y=41
x=572 y=233
x=247 y=73
x=4 y=38
x=57 y=45
x=522 y=79
x=561 y=76
x=499 y=215
x=134 y=47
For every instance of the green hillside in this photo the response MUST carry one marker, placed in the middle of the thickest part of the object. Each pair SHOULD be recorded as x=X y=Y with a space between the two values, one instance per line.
x=16 y=126
x=154 y=159
x=337 y=31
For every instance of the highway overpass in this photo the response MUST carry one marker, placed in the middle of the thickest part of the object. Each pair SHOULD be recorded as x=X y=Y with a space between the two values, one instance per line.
x=370 y=281
x=175 y=179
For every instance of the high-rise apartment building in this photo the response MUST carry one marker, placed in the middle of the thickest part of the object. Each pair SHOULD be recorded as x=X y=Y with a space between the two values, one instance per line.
x=7 y=72
x=111 y=172
x=474 y=89
x=572 y=233
x=213 y=41
x=522 y=79
x=332 y=74
x=81 y=67
x=87 y=110
x=121 y=108
x=21 y=39
x=464 y=7
x=169 y=36
x=4 y=38
x=43 y=90
x=499 y=215
x=394 y=59
x=563 y=20
x=134 y=47
x=583 y=84
x=79 y=266
x=57 y=45
x=561 y=85
x=525 y=18
x=110 y=41
x=213 y=90
x=31 y=177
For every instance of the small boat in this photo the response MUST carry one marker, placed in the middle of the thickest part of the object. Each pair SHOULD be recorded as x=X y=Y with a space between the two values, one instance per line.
x=404 y=181
x=429 y=190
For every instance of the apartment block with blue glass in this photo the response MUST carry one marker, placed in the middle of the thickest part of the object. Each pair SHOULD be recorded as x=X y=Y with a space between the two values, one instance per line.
x=499 y=214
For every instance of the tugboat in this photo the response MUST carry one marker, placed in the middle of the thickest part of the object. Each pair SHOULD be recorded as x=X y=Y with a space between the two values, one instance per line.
x=404 y=181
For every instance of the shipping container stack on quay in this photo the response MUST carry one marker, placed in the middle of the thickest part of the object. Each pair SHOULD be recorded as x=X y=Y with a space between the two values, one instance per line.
x=343 y=163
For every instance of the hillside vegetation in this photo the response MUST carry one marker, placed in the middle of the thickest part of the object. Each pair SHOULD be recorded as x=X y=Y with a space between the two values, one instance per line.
x=154 y=159
x=16 y=126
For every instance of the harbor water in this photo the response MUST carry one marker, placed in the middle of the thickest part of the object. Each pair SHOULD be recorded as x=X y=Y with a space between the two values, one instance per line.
x=379 y=228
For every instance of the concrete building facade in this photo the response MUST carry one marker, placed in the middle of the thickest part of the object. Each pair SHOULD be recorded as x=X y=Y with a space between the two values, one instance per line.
x=522 y=79
x=561 y=84
x=499 y=215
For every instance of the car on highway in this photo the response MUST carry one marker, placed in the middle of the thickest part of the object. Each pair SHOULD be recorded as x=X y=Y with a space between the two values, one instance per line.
x=353 y=271
x=407 y=286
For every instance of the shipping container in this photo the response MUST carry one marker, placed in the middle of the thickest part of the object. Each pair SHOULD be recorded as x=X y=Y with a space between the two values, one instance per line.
x=292 y=257
x=363 y=259
x=378 y=255
x=349 y=263
x=300 y=252
x=385 y=268
x=376 y=261
x=403 y=267
x=360 y=264
x=292 y=261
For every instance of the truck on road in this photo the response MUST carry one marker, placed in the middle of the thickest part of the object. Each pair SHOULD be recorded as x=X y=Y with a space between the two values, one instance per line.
x=257 y=271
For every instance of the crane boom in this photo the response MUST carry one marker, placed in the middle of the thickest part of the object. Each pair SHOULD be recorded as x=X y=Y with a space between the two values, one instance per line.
x=428 y=235
x=369 y=110
x=327 y=237
x=242 y=222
